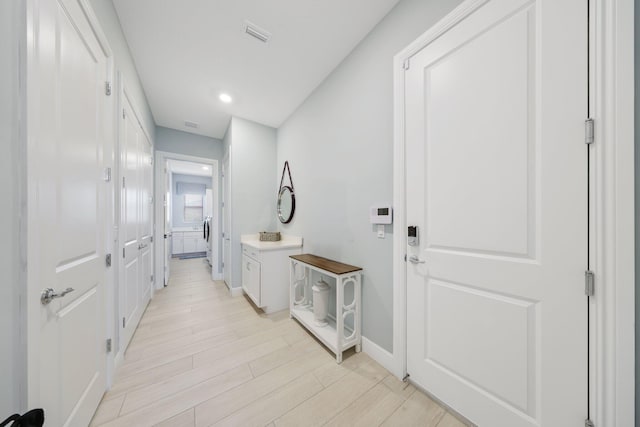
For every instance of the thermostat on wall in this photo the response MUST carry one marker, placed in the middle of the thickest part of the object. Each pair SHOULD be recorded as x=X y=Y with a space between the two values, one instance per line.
x=381 y=214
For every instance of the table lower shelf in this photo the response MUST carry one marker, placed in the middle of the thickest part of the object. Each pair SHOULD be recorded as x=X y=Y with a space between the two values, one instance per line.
x=328 y=334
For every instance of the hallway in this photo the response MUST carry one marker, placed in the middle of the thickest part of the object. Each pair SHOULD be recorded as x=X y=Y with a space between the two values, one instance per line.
x=200 y=357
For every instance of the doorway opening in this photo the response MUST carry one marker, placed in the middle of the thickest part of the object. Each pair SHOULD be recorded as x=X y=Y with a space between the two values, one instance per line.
x=187 y=218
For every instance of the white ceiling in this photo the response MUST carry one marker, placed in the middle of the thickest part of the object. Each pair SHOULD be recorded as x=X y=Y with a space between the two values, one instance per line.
x=189 y=168
x=189 y=51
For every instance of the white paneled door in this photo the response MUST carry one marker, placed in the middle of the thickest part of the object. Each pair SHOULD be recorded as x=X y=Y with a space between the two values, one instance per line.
x=67 y=70
x=135 y=221
x=496 y=178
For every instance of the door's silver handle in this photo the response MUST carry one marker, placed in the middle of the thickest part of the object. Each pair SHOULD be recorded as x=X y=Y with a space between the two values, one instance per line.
x=415 y=260
x=49 y=295
x=142 y=246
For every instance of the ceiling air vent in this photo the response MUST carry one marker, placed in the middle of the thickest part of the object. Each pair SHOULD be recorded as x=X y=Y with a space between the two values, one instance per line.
x=254 y=31
x=191 y=124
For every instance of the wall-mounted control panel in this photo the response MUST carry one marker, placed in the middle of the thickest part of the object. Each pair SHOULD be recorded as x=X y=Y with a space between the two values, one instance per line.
x=381 y=214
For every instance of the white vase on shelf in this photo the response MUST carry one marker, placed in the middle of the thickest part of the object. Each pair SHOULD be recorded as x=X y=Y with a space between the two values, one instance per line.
x=320 y=302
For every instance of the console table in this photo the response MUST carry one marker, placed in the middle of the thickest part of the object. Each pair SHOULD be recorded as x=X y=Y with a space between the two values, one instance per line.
x=301 y=301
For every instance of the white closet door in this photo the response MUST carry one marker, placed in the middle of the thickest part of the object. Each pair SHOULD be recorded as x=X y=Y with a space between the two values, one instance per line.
x=135 y=221
x=497 y=186
x=130 y=223
x=66 y=225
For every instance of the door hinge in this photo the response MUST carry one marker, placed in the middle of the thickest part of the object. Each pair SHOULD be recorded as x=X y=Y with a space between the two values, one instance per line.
x=151 y=200
x=589 y=283
x=107 y=174
x=108 y=260
x=405 y=379
x=107 y=88
x=223 y=264
x=223 y=204
x=406 y=64
x=405 y=257
x=124 y=113
x=123 y=182
x=109 y=345
x=151 y=241
x=122 y=252
x=589 y=131
x=151 y=279
x=124 y=322
x=588 y=423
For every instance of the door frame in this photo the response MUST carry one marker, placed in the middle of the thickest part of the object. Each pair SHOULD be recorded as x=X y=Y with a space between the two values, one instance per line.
x=611 y=225
x=160 y=159
x=226 y=188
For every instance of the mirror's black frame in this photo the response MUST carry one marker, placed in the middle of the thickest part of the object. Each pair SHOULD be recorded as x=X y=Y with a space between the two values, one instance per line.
x=293 y=204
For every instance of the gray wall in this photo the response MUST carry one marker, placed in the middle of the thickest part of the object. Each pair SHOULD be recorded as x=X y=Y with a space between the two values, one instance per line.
x=123 y=61
x=637 y=200
x=339 y=144
x=190 y=144
x=253 y=190
x=12 y=396
x=178 y=199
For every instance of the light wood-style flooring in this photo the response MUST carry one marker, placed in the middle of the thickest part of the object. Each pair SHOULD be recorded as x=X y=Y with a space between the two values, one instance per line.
x=201 y=357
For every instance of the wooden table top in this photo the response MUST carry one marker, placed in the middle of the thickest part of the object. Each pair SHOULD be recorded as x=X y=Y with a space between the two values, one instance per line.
x=329 y=265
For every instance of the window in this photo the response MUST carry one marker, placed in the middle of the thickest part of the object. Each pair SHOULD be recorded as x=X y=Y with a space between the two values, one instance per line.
x=193 y=208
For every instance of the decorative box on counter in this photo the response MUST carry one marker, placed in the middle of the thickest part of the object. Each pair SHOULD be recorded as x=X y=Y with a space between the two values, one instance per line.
x=269 y=236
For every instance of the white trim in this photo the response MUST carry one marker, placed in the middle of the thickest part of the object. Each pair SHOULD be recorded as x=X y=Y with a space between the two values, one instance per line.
x=110 y=235
x=96 y=27
x=612 y=225
x=612 y=212
x=23 y=30
x=235 y=292
x=399 y=236
x=227 y=178
x=159 y=161
x=382 y=356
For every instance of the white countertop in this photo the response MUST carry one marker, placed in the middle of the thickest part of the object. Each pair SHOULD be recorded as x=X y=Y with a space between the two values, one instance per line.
x=192 y=228
x=287 y=241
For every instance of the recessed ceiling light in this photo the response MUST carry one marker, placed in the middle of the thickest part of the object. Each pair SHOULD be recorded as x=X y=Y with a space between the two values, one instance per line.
x=205 y=168
x=225 y=98
x=190 y=124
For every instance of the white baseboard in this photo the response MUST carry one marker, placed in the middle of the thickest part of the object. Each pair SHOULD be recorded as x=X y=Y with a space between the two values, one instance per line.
x=235 y=292
x=382 y=356
x=118 y=360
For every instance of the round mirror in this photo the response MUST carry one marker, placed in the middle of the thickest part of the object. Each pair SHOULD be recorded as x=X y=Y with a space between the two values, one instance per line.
x=286 y=204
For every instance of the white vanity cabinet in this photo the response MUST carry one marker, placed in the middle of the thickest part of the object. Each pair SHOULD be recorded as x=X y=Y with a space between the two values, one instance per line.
x=265 y=271
x=185 y=242
x=191 y=241
x=177 y=243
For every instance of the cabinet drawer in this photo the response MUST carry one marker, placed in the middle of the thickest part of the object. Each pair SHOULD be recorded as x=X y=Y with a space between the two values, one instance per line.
x=251 y=252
